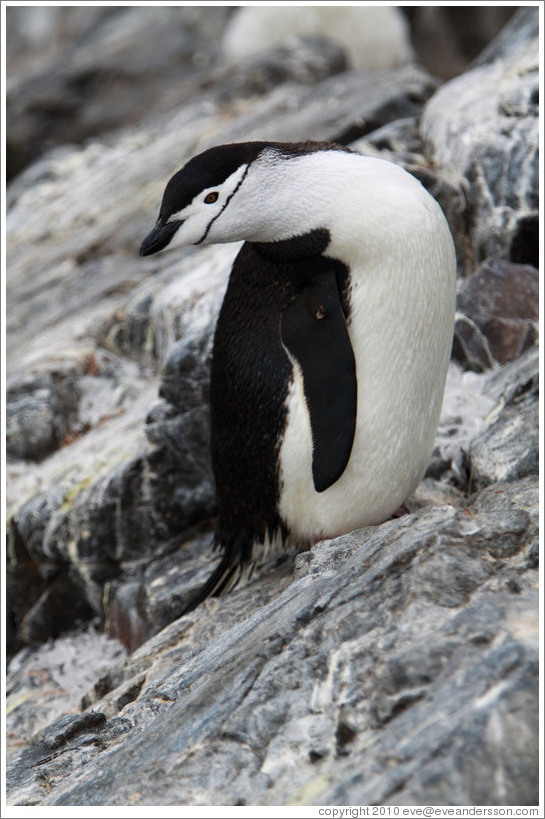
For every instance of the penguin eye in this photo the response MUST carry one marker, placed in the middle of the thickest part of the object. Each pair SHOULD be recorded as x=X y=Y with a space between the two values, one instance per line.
x=211 y=197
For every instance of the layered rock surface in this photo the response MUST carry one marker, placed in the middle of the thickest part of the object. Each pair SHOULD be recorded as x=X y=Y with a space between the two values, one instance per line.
x=394 y=665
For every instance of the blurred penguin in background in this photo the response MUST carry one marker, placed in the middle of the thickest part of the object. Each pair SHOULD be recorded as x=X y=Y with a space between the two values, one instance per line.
x=374 y=38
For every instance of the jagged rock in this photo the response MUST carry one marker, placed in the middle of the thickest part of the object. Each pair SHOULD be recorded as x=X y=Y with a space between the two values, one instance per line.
x=345 y=108
x=508 y=447
x=43 y=503
x=482 y=127
x=40 y=413
x=489 y=429
x=304 y=700
x=497 y=317
x=26 y=581
x=501 y=300
x=520 y=33
x=130 y=514
x=60 y=608
x=50 y=681
x=107 y=78
x=469 y=346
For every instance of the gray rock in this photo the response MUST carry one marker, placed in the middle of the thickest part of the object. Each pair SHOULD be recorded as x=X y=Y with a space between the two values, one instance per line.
x=482 y=127
x=144 y=502
x=522 y=30
x=26 y=586
x=46 y=683
x=508 y=448
x=469 y=346
x=41 y=411
x=489 y=427
x=346 y=107
x=39 y=517
x=502 y=300
x=60 y=608
x=107 y=78
x=304 y=700
x=185 y=376
x=446 y=38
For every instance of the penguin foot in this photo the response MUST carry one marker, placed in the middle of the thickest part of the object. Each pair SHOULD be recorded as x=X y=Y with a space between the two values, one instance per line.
x=400 y=512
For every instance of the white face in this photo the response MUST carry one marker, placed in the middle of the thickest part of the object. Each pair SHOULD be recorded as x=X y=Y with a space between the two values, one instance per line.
x=268 y=201
x=199 y=217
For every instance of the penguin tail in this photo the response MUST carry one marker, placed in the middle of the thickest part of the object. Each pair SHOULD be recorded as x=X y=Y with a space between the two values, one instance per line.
x=238 y=563
x=224 y=578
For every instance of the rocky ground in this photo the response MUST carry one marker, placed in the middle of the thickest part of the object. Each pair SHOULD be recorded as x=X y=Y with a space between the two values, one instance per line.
x=396 y=665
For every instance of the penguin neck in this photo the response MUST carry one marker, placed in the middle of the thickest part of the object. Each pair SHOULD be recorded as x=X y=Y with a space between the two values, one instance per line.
x=333 y=192
x=284 y=197
x=306 y=245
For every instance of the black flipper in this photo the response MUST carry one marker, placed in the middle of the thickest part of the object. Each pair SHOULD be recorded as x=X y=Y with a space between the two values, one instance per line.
x=314 y=331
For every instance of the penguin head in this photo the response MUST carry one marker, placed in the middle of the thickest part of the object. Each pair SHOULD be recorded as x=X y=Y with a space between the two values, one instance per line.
x=243 y=191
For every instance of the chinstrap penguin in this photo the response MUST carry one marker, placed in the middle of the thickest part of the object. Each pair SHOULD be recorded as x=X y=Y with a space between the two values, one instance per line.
x=375 y=38
x=332 y=343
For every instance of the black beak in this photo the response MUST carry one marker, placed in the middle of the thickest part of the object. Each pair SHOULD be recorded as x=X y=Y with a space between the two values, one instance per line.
x=159 y=237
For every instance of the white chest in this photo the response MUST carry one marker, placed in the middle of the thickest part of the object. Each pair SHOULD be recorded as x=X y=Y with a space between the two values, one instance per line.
x=400 y=326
